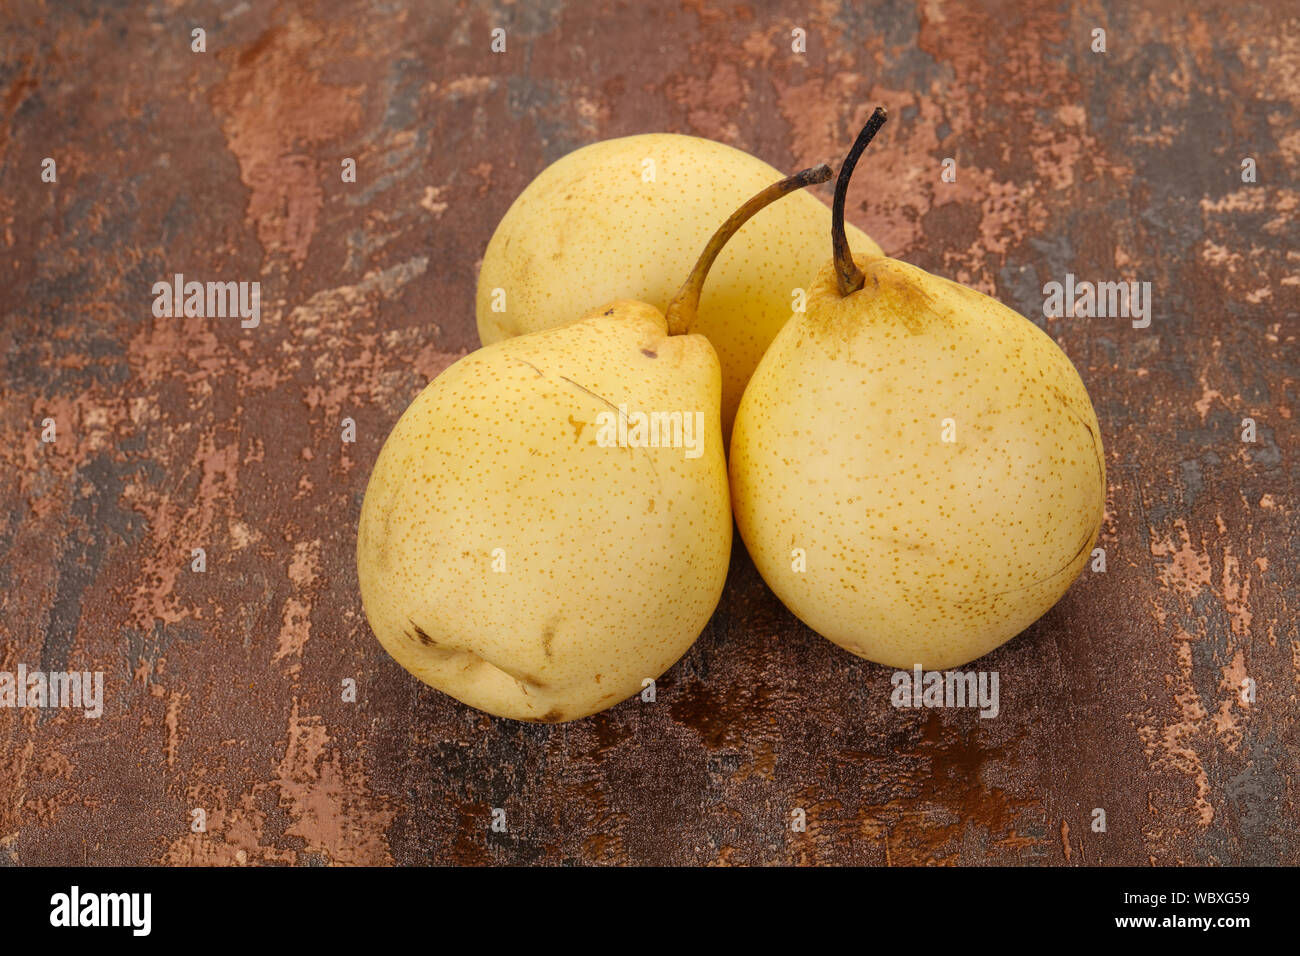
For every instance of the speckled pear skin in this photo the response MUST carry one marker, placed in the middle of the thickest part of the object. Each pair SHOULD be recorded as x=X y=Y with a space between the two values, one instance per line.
x=615 y=556
x=589 y=230
x=919 y=551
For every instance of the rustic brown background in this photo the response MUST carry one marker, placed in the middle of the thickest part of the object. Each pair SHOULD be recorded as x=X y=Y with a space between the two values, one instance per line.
x=223 y=689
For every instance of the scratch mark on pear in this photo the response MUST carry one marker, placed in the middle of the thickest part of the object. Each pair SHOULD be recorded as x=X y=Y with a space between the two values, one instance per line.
x=619 y=412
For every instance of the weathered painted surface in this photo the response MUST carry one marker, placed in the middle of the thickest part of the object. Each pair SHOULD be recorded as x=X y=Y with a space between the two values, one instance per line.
x=223 y=689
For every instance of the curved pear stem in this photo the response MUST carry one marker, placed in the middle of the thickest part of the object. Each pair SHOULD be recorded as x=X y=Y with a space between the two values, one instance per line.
x=684 y=308
x=847 y=274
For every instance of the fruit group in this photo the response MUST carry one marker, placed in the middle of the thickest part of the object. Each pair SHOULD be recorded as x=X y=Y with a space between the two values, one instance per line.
x=931 y=454
x=514 y=557
x=625 y=218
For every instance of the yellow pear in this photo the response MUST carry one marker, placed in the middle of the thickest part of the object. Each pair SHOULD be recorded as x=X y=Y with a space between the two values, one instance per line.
x=625 y=217
x=916 y=469
x=548 y=525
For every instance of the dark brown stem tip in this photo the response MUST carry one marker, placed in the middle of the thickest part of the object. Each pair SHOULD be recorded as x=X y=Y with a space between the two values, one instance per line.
x=848 y=276
x=682 y=310
x=811 y=177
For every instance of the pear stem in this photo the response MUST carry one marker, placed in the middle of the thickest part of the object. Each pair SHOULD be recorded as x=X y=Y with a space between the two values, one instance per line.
x=684 y=309
x=847 y=274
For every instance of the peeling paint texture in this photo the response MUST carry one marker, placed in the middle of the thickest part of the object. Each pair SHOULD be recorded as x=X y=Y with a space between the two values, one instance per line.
x=224 y=690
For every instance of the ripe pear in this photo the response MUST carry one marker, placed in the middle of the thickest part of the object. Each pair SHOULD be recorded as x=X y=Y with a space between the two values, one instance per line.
x=916 y=469
x=624 y=217
x=531 y=545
